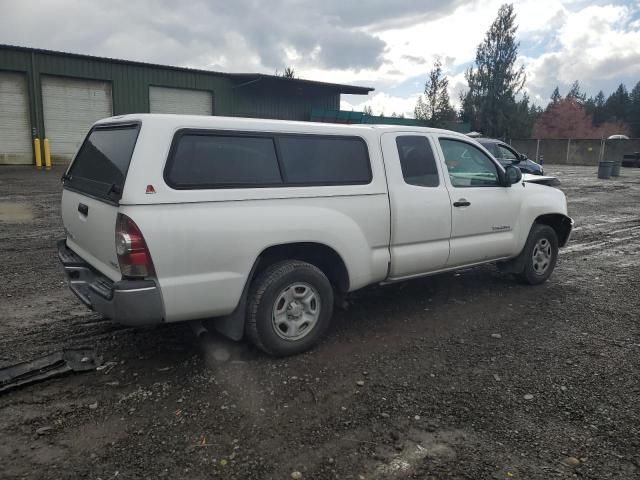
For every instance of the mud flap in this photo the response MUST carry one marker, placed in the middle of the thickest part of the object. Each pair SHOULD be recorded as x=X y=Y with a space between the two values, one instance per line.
x=232 y=325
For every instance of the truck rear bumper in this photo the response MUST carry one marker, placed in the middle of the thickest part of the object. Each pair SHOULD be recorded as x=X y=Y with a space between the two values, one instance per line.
x=130 y=302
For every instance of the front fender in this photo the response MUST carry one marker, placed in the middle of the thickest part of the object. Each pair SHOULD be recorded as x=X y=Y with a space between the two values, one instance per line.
x=539 y=201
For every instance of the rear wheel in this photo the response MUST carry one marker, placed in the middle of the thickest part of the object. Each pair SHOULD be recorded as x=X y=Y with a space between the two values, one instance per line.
x=540 y=255
x=290 y=308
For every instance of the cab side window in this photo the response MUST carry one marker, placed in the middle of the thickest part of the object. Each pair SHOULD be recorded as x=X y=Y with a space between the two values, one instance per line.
x=417 y=161
x=467 y=165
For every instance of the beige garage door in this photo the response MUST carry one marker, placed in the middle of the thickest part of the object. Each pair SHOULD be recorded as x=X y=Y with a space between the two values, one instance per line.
x=15 y=134
x=71 y=106
x=179 y=100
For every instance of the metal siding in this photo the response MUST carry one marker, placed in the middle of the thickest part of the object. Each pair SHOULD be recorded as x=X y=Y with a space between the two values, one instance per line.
x=71 y=106
x=180 y=100
x=15 y=135
x=130 y=86
x=281 y=103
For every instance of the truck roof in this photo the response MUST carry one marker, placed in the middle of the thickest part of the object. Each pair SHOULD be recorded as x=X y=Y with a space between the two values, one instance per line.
x=199 y=121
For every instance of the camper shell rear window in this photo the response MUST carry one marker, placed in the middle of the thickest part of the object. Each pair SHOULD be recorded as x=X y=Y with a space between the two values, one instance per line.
x=100 y=167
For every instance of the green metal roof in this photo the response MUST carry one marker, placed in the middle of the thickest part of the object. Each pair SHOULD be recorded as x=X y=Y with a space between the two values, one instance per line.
x=238 y=77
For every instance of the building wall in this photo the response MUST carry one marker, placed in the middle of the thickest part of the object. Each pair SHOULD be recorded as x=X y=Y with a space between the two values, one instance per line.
x=268 y=99
x=130 y=82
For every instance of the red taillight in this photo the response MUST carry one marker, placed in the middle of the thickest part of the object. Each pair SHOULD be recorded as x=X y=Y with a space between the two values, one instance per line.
x=133 y=255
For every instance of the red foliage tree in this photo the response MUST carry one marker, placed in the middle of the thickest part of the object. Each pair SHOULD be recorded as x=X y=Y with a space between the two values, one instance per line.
x=565 y=118
x=613 y=128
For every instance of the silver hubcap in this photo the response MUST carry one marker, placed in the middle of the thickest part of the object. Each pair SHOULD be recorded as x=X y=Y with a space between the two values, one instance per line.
x=541 y=256
x=296 y=311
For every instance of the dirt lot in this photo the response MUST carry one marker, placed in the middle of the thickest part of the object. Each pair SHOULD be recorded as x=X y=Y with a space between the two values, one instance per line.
x=467 y=375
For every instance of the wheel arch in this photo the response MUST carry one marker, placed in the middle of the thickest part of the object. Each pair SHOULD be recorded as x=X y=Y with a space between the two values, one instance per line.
x=562 y=225
x=322 y=256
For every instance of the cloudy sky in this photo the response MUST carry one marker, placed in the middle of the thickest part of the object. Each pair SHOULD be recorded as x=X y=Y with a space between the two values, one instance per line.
x=389 y=45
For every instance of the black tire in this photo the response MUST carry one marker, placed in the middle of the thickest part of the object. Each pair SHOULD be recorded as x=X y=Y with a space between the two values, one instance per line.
x=267 y=288
x=533 y=273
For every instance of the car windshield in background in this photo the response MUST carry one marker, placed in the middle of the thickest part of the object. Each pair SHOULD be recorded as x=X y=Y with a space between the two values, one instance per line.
x=507 y=154
x=101 y=165
x=492 y=148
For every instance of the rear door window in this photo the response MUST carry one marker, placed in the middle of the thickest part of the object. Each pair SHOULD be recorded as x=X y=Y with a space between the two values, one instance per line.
x=205 y=160
x=101 y=165
x=417 y=161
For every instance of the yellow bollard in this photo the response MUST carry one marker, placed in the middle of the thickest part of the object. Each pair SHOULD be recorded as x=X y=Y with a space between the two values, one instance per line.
x=36 y=151
x=47 y=154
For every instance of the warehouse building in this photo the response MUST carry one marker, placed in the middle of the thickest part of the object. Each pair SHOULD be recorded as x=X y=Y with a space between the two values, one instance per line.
x=56 y=95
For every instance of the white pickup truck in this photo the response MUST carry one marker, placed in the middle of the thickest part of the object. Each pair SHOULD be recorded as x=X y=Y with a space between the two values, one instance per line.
x=260 y=225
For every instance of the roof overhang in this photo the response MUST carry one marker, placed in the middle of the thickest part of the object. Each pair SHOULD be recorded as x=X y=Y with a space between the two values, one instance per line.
x=246 y=79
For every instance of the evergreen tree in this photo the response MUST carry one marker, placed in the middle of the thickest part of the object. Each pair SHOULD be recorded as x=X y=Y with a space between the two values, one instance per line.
x=618 y=105
x=634 y=111
x=524 y=118
x=555 y=95
x=436 y=107
x=367 y=110
x=599 y=113
x=575 y=93
x=590 y=105
x=495 y=80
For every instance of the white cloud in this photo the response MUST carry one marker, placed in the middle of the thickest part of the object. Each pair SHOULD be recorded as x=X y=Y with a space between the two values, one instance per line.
x=595 y=45
x=388 y=45
x=383 y=103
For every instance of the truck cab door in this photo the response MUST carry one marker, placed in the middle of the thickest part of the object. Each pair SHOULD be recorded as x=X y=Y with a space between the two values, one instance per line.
x=420 y=205
x=485 y=214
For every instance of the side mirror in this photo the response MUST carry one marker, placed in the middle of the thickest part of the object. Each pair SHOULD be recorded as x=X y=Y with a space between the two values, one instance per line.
x=512 y=175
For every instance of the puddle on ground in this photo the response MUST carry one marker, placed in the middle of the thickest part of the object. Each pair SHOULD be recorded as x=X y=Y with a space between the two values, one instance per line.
x=15 y=212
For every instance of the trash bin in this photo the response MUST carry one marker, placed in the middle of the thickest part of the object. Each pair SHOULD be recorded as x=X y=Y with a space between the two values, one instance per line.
x=615 y=170
x=604 y=169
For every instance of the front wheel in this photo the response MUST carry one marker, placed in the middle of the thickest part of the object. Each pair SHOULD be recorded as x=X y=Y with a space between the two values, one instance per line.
x=540 y=255
x=290 y=308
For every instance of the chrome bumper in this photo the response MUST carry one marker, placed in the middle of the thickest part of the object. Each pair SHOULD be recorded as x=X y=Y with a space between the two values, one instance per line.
x=130 y=302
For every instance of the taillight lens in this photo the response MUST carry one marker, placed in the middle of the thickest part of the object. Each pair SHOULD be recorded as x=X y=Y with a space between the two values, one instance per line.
x=133 y=255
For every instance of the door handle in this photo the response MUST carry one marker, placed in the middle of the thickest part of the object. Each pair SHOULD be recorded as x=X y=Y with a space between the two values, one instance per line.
x=83 y=209
x=461 y=203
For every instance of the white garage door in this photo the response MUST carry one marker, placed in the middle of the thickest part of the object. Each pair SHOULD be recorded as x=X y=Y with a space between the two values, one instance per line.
x=15 y=135
x=71 y=106
x=179 y=100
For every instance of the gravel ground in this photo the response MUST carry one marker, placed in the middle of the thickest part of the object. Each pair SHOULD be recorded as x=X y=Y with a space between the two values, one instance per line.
x=466 y=375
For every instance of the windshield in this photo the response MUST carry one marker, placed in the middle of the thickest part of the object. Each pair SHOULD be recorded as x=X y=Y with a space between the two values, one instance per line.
x=101 y=165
